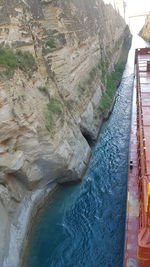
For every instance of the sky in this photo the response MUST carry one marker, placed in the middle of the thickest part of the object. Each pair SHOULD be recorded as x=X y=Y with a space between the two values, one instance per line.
x=136 y=6
x=132 y=6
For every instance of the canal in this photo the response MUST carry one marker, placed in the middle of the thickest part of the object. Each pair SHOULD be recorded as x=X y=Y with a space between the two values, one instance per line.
x=84 y=225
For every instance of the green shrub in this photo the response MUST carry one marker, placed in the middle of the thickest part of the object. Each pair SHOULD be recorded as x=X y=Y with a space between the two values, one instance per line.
x=25 y=60
x=103 y=66
x=11 y=60
x=112 y=82
x=8 y=58
x=49 y=121
x=54 y=111
x=55 y=106
x=51 y=44
x=105 y=101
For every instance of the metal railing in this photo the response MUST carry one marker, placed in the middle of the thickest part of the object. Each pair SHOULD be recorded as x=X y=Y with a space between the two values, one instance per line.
x=143 y=176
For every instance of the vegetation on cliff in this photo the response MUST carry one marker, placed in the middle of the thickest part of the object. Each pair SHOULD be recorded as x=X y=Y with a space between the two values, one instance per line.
x=54 y=113
x=109 y=81
x=112 y=81
x=10 y=60
x=51 y=44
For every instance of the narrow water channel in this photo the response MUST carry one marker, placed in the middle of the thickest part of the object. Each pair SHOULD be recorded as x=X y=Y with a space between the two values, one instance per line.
x=84 y=225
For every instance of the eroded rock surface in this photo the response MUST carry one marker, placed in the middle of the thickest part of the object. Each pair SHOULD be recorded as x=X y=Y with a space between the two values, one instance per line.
x=145 y=32
x=48 y=114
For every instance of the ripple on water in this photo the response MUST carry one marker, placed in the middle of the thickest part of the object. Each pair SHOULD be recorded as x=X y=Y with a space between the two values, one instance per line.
x=84 y=226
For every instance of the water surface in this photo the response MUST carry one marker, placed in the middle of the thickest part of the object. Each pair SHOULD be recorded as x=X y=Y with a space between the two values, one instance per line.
x=84 y=225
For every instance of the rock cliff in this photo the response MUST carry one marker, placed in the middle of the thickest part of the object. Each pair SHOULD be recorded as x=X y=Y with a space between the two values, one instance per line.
x=145 y=32
x=55 y=57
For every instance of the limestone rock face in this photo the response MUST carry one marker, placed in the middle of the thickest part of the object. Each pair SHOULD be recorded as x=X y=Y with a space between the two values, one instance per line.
x=49 y=114
x=145 y=32
x=67 y=38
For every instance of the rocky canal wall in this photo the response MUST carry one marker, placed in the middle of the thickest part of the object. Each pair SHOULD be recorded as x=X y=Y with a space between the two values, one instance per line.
x=55 y=60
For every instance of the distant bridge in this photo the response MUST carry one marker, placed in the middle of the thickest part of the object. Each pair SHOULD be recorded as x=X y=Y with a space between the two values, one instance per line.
x=139 y=14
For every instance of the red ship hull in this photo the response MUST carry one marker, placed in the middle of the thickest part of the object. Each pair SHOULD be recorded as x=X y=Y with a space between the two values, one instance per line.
x=137 y=241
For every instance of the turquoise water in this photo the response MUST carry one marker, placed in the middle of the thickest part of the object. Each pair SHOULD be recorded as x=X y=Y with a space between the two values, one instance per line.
x=84 y=225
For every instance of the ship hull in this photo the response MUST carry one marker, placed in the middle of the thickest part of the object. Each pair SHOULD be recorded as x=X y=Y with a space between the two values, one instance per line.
x=137 y=243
